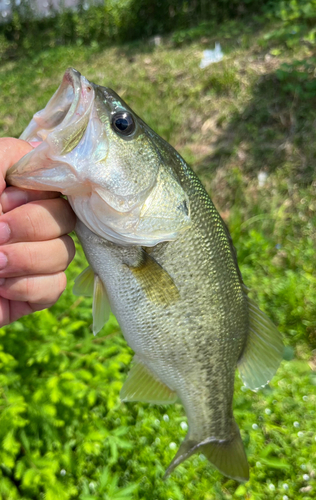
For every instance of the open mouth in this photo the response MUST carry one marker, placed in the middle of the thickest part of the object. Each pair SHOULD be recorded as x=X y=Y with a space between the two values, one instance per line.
x=71 y=101
x=54 y=132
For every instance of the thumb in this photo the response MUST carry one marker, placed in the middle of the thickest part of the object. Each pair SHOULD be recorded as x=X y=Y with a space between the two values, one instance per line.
x=11 y=150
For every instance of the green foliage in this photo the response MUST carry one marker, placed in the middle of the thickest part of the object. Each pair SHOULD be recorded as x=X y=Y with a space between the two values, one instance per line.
x=124 y=20
x=296 y=22
x=63 y=432
x=298 y=78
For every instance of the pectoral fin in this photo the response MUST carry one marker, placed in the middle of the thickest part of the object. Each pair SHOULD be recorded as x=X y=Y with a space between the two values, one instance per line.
x=141 y=385
x=101 y=307
x=263 y=352
x=228 y=457
x=89 y=284
x=84 y=283
x=157 y=284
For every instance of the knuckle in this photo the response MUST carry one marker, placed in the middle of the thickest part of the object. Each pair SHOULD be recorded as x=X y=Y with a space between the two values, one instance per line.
x=22 y=258
x=70 y=247
x=29 y=285
x=31 y=222
x=69 y=218
x=29 y=257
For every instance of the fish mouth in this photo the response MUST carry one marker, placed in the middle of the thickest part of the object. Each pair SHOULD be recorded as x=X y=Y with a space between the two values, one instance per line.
x=72 y=156
x=55 y=131
x=60 y=109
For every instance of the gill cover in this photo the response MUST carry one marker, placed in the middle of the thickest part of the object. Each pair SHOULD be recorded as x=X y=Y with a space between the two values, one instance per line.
x=119 y=185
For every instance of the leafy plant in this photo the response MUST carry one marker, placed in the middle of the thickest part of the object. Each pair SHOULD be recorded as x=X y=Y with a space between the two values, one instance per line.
x=64 y=434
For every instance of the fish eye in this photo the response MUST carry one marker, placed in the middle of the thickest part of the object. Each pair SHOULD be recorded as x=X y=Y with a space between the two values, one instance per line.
x=123 y=123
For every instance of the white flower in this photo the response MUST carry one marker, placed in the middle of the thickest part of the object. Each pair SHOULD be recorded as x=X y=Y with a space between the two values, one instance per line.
x=172 y=446
x=62 y=472
x=285 y=486
x=271 y=487
x=262 y=177
x=267 y=411
x=184 y=426
x=255 y=427
x=306 y=477
x=296 y=424
x=166 y=418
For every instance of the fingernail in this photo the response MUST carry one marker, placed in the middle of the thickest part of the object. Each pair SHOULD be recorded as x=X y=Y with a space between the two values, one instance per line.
x=4 y=232
x=3 y=260
x=13 y=198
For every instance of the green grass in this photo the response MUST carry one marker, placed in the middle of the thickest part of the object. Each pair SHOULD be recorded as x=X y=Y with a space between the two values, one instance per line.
x=63 y=431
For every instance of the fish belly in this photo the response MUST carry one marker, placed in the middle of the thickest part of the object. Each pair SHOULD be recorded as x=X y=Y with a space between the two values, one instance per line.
x=171 y=340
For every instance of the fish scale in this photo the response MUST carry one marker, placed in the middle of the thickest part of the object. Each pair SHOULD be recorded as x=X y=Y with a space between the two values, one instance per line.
x=206 y=332
x=161 y=256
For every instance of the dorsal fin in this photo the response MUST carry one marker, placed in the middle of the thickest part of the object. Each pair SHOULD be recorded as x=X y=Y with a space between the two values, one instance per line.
x=141 y=385
x=263 y=351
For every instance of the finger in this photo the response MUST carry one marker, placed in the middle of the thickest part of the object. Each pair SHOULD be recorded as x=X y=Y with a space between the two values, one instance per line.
x=37 y=221
x=13 y=197
x=11 y=150
x=40 y=257
x=12 y=310
x=34 y=289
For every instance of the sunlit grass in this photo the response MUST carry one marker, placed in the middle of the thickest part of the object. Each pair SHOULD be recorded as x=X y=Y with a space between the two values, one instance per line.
x=63 y=431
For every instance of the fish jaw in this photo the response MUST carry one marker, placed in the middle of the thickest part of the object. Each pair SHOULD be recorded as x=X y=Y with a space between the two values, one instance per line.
x=57 y=130
x=121 y=189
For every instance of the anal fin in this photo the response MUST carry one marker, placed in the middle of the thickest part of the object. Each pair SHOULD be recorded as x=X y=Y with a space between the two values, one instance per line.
x=263 y=351
x=141 y=385
x=228 y=457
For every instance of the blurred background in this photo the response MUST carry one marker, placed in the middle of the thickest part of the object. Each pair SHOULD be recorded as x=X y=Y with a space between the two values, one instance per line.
x=231 y=85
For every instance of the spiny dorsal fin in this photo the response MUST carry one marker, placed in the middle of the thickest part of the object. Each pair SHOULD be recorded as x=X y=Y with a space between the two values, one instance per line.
x=101 y=308
x=155 y=281
x=141 y=385
x=263 y=351
x=84 y=283
x=228 y=457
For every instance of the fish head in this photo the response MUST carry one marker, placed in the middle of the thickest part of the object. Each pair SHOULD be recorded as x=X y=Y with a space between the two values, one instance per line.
x=94 y=149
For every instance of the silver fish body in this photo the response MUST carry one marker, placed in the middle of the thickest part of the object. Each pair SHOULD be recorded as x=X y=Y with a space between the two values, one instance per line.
x=172 y=280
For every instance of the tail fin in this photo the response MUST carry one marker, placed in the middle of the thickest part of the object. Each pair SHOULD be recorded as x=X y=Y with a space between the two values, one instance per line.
x=228 y=457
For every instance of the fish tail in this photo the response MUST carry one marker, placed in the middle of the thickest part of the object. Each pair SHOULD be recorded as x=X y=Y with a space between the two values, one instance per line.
x=228 y=457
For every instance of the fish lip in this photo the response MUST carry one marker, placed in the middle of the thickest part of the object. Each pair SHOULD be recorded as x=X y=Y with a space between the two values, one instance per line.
x=43 y=130
x=73 y=76
x=64 y=105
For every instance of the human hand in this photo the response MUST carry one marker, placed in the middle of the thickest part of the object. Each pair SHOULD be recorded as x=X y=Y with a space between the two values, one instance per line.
x=34 y=246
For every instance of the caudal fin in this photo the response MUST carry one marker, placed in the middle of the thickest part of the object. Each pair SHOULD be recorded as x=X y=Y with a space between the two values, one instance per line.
x=228 y=457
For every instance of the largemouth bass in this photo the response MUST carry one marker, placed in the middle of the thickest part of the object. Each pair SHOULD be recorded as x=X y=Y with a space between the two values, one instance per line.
x=161 y=257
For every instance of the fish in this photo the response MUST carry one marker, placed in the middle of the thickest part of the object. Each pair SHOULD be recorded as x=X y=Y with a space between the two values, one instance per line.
x=160 y=258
